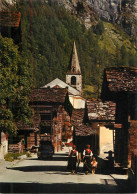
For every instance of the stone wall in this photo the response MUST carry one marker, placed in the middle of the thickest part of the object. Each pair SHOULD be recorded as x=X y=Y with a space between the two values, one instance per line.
x=78 y=85
x=3 y=145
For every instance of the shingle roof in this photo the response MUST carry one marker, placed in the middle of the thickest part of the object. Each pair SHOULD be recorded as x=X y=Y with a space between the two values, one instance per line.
x=49 y=95
x=10 y=19
x=77 y=122
x=121 y=79
x=98 y=110
x=77 y=117
x=84 y=130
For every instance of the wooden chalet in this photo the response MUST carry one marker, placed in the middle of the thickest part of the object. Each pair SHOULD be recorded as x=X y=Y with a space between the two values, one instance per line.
x=120 y=86
x=49 y=117
x=82 y=133
x=101 y=117
x=92 y=126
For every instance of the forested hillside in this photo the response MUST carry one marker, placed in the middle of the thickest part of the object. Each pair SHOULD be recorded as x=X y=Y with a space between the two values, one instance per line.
x=48 y=32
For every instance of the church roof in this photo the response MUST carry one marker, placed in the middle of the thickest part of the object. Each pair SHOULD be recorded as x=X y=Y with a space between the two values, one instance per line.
x=74 y=69
x=57 y=82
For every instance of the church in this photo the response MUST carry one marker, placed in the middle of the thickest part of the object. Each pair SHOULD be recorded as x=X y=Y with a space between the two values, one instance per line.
x=73 y=82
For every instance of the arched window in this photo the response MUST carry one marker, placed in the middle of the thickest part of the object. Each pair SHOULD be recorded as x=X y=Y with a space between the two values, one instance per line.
x=73 y=80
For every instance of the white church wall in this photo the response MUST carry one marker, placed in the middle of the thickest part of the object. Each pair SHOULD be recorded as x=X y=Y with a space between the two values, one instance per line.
x=77 y=102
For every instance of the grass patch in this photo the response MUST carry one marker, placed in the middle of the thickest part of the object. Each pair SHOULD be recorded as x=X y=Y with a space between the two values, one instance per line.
x=28 y=154
x=88 y=91
x=113 y=38
x=15 y=156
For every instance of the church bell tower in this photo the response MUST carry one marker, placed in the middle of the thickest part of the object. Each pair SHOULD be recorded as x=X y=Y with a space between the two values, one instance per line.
x=73 y=76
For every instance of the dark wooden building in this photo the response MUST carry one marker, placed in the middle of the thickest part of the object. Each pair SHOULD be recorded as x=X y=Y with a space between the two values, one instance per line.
x=92 y=125
x=10 y=25
x=101 y=117
x=49 y=117
x=82 y=133
x=120 y=86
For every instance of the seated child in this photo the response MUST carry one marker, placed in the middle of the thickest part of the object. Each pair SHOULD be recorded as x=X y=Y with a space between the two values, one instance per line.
x=94 y=165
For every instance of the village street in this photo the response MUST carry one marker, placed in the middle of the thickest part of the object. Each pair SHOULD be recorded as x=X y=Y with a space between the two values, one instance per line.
x=51 y=176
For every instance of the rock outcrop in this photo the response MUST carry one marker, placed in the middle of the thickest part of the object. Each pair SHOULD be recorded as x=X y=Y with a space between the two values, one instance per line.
x=122 y=12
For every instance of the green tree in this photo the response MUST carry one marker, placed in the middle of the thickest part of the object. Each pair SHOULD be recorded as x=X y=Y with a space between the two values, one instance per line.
x=99 y=28
x=14 y=87
x=124 y=57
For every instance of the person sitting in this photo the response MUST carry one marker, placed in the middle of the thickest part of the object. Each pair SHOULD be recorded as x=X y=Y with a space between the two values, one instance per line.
x=94 y=165
x=73 y=158
x=87 y=156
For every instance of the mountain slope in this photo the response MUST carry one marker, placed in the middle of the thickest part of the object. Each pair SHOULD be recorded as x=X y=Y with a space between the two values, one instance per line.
x=121 y=12
x=50 y=35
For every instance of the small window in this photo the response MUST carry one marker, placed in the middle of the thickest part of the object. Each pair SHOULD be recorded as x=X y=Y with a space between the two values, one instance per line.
x=73 y=69
x=73 y=80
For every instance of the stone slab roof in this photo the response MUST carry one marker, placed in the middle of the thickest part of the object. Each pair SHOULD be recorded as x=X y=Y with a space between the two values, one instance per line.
x=101 y=111
x=84 y=130
x=77 y=117
x=49 y=95
x=9 y=19
x=57 y=82
x=121 y=79
x=77 y=122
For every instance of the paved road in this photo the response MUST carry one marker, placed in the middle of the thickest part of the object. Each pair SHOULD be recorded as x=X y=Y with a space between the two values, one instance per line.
x=51 y=176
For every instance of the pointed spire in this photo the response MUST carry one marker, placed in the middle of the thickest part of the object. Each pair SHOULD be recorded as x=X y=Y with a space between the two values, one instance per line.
x=75 y=67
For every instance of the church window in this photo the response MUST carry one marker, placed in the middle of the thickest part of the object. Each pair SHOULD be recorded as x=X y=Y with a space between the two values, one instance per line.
x=73 y=69
x=73 y=80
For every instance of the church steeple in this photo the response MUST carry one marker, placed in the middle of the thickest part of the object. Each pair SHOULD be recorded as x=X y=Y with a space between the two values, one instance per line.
x=75 y=67
x=73 y=76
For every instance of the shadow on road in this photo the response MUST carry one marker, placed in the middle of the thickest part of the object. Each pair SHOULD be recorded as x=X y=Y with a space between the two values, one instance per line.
x=40 y=168
x=56 y=157
x=63 y=168
x=105 y=186
x=61 y=154
x=69 y=187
